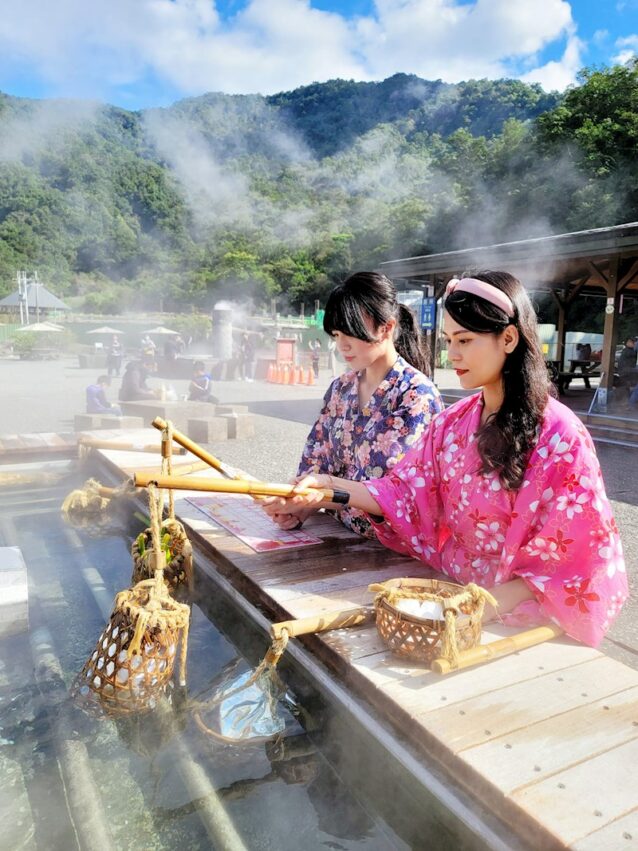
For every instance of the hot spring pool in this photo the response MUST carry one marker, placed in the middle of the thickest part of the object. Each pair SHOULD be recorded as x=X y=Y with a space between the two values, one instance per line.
x=153 y=781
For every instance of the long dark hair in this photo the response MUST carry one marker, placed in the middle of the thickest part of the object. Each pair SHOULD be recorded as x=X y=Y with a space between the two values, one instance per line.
x=372 y=294
x=505 y=441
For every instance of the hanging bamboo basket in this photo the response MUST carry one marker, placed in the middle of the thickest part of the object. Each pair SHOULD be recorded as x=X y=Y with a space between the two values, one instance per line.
x=425 y=619
x=177 y=549
x=134 y=658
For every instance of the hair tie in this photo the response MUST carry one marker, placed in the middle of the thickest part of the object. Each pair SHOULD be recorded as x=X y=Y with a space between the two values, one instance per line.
x=483 y=290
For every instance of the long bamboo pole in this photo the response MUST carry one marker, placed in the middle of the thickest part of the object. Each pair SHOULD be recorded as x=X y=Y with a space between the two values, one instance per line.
x=190 y=445
x=496 y=649
x=242 y=486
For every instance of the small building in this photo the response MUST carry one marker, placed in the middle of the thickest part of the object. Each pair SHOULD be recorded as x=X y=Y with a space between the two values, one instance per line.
x=34 y=298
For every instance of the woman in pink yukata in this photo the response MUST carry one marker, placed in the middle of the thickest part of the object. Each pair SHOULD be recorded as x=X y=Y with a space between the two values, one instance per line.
x=504 y=489
x=380 y=406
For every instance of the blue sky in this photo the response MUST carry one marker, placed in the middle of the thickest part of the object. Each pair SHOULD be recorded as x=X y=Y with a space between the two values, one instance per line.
x=143 y=53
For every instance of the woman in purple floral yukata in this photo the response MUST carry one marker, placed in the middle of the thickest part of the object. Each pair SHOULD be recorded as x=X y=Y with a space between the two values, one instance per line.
x=377 y=409
x=504 y=489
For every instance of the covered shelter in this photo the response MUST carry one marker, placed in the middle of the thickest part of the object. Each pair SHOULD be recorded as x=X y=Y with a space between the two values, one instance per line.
x=565 y=265
x=36 y=299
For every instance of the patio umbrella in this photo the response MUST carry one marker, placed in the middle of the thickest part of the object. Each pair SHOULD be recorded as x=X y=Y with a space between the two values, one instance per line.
x=161 y=330
x=40 y=326
x=104 y=329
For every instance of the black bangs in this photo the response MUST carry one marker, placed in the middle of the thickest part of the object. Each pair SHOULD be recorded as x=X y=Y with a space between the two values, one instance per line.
x=475 y=313
x=345 y=313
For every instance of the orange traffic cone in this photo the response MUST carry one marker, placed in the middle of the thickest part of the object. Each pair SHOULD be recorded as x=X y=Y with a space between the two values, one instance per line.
x=284 y=374
x=311 y=377
x=271 y=373
x=301 y=378
x=292 y=374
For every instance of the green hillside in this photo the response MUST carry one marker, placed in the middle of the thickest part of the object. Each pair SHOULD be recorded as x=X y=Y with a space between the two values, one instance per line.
x=250 y=197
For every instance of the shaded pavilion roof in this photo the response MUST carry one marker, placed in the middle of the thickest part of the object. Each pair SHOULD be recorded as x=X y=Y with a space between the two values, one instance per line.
x=45 y=299
x=581 y=259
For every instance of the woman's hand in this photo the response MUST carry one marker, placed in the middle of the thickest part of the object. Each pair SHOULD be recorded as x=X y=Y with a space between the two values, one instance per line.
x=283 y=513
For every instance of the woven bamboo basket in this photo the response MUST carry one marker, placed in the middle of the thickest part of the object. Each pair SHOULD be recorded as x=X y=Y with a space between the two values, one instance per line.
x=421 y=640
x=134 y=658
x=179 y=570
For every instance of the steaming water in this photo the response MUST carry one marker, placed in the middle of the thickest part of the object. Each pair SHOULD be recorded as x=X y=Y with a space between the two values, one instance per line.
x=284 y=797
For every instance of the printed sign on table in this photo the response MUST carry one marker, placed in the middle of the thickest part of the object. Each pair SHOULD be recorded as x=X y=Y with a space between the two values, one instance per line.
x=242 y=517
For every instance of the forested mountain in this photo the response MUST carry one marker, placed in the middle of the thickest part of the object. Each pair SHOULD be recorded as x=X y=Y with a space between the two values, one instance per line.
x=249 y=196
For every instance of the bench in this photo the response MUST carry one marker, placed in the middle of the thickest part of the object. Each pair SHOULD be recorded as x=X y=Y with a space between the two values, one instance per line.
x=564 y=379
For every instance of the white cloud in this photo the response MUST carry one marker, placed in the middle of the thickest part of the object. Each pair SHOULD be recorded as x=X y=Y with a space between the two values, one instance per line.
x=628 y=49
x=562 y=73
x=273 y=45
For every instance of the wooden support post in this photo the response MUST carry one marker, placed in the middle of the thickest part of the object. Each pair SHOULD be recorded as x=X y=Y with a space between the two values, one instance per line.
x=610 y=327
x=561 y=328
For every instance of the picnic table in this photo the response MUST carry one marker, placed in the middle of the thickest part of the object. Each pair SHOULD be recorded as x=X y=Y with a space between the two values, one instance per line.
x=578 y=369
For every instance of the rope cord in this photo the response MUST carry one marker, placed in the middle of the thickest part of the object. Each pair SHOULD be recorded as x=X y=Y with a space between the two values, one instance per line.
x=167 y=464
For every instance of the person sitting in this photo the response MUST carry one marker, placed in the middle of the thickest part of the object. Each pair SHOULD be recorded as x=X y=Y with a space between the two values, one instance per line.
x=96 y=401
x=504 y=489
x=134 y=387
x=200 y=385
x=378 y=408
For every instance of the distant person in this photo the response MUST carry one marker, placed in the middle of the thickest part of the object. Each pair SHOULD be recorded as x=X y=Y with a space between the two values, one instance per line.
x=627 y=358
x=315 y=352
x=171 y=348
x=200 y=385
x=332 y=357
x=134 y=387
x=96 y=401
x=148 y=347
x=246 y=357
x=114 y=356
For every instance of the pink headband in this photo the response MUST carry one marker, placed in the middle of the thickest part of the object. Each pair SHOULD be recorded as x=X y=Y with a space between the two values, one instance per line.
x=483 y=290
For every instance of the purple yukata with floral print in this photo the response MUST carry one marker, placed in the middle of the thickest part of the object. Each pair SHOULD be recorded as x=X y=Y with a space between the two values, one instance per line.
x=366 y=443
x=556 y=532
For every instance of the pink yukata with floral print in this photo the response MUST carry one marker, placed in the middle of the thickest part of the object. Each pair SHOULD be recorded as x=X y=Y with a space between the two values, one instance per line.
x=364 y=443
x=556 y=532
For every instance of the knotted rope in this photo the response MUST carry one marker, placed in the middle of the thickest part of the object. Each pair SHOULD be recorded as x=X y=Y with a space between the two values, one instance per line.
x=148 y=603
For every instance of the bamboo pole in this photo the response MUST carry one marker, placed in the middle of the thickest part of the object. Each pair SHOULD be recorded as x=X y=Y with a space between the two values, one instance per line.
x=242 y=486
x=322 y=623
x=496 y=649
x=194 y=448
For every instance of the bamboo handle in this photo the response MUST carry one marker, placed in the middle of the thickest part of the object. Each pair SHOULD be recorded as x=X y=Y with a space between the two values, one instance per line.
x=97 y=443
x=322 y=623
x=245 y=486
x=496 y=649
x=196 y=450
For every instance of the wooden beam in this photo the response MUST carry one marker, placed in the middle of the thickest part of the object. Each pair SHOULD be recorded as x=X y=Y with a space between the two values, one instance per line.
x=577 y=288
x=599 y=271
x=610 y=326
x=628 y=277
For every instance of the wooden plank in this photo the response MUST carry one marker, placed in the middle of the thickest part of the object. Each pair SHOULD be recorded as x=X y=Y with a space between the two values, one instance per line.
x=622 y=833
x=554 y=744
x=582 y=799
x=519 y=706
x=415 y=687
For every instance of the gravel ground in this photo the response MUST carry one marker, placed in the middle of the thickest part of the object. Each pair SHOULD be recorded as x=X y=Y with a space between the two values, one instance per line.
x=45 y=396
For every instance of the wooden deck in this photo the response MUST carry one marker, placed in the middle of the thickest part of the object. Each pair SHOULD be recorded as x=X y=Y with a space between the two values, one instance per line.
x=546 y=739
